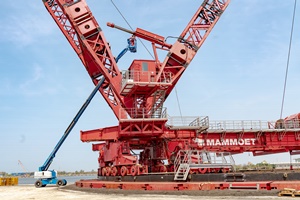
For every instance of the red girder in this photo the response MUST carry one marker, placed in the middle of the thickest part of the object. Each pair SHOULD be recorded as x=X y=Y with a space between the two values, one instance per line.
x=210 y=140
x=79 y=26
x=165 y=143
x=54 y=9
x=258 y=142
x=192 y=38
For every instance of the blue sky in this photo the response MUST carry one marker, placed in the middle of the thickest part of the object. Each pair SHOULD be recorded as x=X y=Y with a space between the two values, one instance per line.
x=238 y=74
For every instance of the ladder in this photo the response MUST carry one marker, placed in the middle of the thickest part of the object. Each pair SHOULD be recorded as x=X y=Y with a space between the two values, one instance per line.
x=182 y=172
x=181 y=166
x=195 y=159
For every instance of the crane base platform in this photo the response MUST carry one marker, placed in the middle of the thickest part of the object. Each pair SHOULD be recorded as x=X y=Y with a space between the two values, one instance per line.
x=229 y=181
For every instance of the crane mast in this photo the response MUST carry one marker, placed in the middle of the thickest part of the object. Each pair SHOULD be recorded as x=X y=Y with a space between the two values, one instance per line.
x=23 y=168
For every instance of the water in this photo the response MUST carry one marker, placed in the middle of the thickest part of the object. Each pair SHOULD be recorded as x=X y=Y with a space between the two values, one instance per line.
x=70 y=179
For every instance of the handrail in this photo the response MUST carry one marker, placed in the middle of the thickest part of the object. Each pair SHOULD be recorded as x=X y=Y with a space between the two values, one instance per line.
x=201 y=121
x=131 y=76
x=253 y=125
x=142 y=113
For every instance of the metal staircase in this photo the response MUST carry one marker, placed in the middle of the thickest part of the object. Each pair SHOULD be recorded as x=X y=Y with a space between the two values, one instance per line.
x=158 y=100
x=196 y=159
x=182 y=172
x=181 y=166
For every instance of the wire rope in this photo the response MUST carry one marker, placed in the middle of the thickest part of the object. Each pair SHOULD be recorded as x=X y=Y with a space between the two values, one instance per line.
x=288 y=60
x=178 y=104
x=146 y=49
x=131 y=27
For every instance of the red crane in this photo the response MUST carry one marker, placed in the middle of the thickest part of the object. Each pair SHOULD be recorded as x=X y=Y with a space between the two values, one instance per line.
x=26 y=173
x=136 y=97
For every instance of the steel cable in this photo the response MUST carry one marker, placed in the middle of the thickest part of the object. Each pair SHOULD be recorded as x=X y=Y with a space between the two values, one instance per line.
x=288 y=60
x=131 y=27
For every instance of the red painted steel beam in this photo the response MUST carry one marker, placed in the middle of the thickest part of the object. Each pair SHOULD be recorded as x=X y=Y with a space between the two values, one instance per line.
x=55 y=10
x=258 y=142
x=146 y=35
x=81 y=29
x=192 y=38
x=267 y=142
x=101 y=134
x=189 y=186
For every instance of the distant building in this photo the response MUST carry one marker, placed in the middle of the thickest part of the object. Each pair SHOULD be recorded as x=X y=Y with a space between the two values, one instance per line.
x=297 y=160
x=295 y=165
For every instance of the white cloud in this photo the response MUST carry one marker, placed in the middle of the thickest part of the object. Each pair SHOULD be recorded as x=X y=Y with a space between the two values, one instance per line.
x=37 y=84
x=24 y=28
x=30 y=83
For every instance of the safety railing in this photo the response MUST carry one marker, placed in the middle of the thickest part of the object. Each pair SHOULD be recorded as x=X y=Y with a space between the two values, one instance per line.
x=204 y=157
x=199 y=159
x=188 y=121
x=200 y=121
x=285 y=124
x=233 y=125
x=131 y=76
x=142 y=113
x=253 y=125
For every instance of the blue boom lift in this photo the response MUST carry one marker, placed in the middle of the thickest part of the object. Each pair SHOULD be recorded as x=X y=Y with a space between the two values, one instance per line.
x=46 y=176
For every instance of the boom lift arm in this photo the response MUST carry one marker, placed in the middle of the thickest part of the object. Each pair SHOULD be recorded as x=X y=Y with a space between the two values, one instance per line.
x=49 y=177
x=131 y=47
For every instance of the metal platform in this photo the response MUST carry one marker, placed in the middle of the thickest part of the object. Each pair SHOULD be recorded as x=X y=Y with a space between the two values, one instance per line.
x=189 y=186
x=228 y=181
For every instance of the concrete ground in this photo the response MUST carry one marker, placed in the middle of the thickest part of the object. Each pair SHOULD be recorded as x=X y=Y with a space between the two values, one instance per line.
x=71 y=192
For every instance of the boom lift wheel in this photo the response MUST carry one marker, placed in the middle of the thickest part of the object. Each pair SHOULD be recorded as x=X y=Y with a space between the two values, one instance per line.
x=59 y=183
x=38 y=184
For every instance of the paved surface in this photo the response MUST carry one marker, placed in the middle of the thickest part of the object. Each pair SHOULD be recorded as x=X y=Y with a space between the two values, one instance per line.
x=71 y=192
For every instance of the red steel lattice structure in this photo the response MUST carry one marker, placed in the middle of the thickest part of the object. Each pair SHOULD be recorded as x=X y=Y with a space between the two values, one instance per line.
x=136 y=96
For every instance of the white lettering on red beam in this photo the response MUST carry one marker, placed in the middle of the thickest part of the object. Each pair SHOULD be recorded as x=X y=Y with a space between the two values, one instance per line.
x=225 y=142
